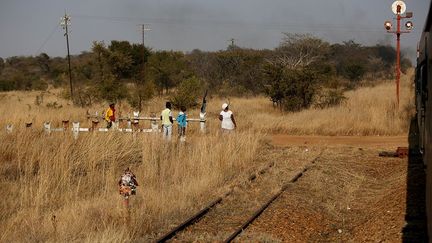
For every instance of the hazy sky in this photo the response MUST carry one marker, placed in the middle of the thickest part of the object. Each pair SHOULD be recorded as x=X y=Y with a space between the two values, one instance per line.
x=29 y=27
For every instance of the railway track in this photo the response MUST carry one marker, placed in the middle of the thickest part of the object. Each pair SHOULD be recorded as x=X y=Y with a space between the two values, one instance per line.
x=203 y=223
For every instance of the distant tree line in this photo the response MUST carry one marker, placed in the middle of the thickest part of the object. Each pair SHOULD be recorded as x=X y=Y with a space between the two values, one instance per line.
x=302 y=71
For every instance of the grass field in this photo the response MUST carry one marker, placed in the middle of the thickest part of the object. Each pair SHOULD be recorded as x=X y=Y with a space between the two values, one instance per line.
x=59 y=189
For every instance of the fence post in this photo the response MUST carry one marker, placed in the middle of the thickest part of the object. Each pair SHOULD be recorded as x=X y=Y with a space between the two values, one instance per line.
x=129 y=123
x=75 y=129
x=202 y=122
x=94 y=125
x=135 y=121
x=115 y=125
x=9 y=128
x=65 y=124
x=154 y=124
x=47 y=127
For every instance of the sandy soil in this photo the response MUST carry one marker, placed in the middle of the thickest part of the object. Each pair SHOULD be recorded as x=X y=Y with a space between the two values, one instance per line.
x=376 y=141
x=349 y=194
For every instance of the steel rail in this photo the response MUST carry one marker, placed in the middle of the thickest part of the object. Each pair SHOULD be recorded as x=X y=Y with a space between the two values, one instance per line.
x=196 y=217
x=268 y=203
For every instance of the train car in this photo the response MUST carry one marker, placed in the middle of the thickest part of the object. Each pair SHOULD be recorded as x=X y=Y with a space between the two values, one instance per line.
x=423 y=89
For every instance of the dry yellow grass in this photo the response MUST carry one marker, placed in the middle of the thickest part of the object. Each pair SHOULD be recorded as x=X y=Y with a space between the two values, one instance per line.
x=367 y=111
x=75 y=180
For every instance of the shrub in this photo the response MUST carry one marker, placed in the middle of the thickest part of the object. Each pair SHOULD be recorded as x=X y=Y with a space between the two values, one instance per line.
x=7 y=85
x=53 y=105
x=140 y=94
x=187 y=93
x=330 y=98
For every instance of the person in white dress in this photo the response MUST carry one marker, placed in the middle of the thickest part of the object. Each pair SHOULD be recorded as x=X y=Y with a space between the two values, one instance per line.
x=226 y=117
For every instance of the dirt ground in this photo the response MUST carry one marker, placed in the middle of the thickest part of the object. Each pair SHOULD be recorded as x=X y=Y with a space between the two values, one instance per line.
x=361 y=141
x=350 y=195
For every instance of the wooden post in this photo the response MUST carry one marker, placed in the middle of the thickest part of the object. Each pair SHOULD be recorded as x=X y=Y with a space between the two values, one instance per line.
x=65 y=124
x=94 y=125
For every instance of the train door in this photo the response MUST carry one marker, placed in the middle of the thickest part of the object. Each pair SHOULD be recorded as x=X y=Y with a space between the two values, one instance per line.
x=428 y=125
x=422 y=104
x=426 y=111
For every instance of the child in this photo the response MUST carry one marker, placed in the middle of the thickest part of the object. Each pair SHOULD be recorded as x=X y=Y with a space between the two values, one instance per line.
x=182 y=122
x=127 y=183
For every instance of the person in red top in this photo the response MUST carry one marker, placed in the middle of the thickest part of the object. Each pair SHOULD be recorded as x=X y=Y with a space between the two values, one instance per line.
x=110 y=115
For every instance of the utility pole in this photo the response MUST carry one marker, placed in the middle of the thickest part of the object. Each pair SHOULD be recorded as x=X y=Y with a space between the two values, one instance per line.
x=399 y=8
x=65 y=21
x=143 y=29
x=232 y=41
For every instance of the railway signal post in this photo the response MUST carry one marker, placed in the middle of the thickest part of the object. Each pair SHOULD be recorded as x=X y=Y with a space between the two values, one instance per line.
x=399 y=8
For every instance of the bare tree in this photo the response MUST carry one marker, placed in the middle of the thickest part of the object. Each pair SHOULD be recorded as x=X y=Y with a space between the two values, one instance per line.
x=299 y=50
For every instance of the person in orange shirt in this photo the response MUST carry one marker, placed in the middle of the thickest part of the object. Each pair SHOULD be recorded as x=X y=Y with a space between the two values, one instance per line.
x=110 y=115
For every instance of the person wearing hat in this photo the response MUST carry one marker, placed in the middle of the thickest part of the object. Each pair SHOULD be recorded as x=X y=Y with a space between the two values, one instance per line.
x=110 y=115
x=226 y=117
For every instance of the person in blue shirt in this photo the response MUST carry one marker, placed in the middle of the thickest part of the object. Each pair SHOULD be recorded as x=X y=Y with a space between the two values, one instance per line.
x=182 y=123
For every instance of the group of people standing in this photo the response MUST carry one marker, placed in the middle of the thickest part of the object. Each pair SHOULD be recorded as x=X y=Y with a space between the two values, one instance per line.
x=167 y=122
x=228 y=123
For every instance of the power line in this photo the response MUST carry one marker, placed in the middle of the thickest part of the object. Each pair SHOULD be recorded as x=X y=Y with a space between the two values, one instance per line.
x=47 y=39
x=269 y=25
x=144 y=29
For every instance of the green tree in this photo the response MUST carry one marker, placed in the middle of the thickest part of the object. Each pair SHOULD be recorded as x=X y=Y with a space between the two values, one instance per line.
x=127 y=60
x=141 y=93
x=299 y=88
x=167 y=69
x=387 y=54
x=291 y=89
x=240 y=70
x=405 y=63
x=100 y=53
x=44 y=62
x=112 y=90
x=274 y=76
x=120 y=64
x=187 y=93
x=112 y=64
x=2 y=65
x=354 y=71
